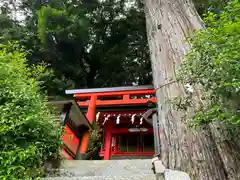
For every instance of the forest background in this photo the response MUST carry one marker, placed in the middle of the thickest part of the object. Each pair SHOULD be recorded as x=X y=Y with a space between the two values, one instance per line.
x=84 y=44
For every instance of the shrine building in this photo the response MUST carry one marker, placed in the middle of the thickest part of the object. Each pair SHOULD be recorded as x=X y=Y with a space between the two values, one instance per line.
x=119 y=112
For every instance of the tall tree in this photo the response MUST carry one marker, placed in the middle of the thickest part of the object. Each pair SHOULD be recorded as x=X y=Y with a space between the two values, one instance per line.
x=169 y=25
x=88 y=43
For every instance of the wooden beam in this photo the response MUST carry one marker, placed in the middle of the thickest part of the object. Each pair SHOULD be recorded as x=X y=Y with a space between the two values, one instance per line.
x=112 y=89
x=116 y=113
x=91 y=114
x=118 y=102
x=119 y=153
x=113 y=94
x=133 y=153
x=126 y=131
x=65 y=154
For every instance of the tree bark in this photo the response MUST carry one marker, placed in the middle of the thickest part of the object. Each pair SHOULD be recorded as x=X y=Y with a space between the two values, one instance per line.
x=169 y=24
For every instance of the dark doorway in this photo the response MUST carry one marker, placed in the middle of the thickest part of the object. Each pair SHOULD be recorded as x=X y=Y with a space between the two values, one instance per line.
x=136 y=143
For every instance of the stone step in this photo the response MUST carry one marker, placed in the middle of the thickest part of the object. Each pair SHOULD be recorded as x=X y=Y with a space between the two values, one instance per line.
x=108 y=168
x=137 y=177
x=136 y=169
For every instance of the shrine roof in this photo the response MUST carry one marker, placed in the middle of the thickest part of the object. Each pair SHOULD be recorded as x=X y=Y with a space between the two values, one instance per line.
x=111 y=89
x=75 y=113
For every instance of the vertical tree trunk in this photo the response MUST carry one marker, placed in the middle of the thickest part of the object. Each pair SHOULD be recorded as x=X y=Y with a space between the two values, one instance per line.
x=169 y=24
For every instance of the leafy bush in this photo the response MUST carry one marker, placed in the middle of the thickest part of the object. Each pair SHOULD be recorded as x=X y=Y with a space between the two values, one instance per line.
x=213 y=64
x=95 y=142
x=28 y=136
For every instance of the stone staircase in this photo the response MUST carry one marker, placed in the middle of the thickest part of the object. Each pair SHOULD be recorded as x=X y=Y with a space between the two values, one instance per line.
x=137 y=169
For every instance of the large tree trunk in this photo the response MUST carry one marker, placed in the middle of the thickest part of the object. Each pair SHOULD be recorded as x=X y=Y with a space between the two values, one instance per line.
x=169 y=24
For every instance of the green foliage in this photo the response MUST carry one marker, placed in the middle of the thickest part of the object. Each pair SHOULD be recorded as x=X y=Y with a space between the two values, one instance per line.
x=95 y=138
x=28 y=136
x=204 y=6
x=43 y=15
x=213 y=64
x=54 y=22
x=82 y=40
x=85 y=40
x=8 y=29
x=88 y=43
x=95 y=142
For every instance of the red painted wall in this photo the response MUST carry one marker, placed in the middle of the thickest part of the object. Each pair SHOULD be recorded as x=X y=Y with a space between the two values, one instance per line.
x=70 y=139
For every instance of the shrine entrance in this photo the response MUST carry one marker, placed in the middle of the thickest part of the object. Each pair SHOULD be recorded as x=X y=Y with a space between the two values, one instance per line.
x=126 y=134
x=135 y=143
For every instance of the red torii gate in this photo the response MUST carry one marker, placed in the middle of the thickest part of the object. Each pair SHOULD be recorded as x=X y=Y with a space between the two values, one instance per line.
x=112 y=102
